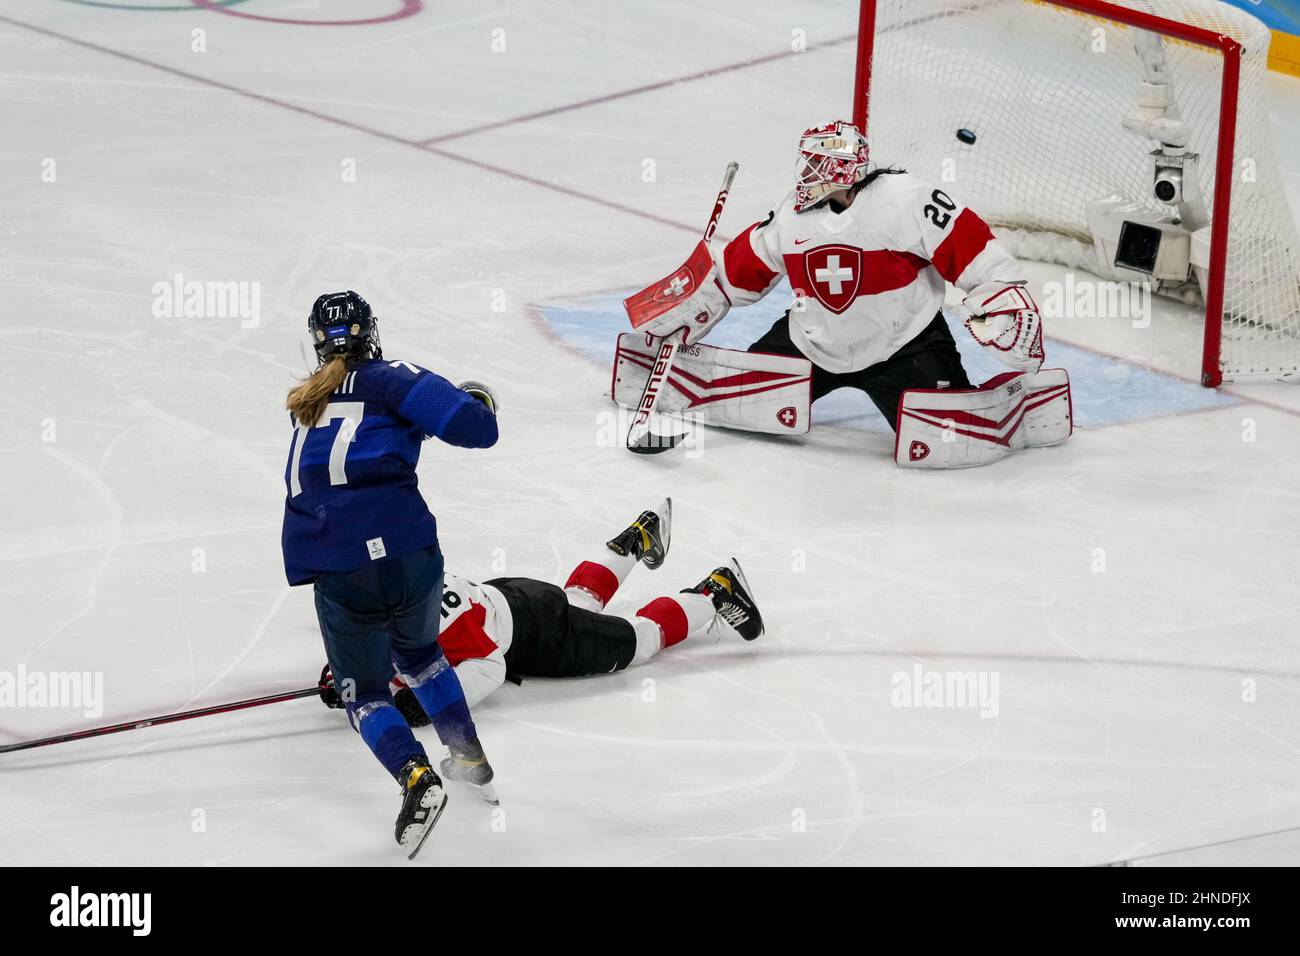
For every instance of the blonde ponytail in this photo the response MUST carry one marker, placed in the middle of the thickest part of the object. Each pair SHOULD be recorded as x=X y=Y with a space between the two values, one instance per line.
x=307 y=399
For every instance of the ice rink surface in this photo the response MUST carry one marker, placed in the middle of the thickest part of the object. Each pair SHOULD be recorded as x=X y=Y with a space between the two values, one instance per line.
x=1133 y=592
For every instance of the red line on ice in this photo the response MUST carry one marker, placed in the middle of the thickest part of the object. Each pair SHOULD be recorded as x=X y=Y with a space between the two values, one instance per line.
x=409 y=8
x=631 y=91
x=692 y=228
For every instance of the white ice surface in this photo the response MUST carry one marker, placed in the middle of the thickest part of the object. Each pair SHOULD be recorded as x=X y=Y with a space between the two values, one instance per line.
x=1120 y=691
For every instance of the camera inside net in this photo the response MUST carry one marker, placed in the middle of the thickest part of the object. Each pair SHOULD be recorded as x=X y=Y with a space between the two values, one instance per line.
x=1135 y=242
x=1168 y=186
x=1174 y=180
x=1138 y=247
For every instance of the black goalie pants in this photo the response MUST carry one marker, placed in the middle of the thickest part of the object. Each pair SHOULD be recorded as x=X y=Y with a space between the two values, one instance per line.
x=930 y=360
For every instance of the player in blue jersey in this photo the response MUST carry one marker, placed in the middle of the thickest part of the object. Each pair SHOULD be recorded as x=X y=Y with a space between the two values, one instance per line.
x=357 y=528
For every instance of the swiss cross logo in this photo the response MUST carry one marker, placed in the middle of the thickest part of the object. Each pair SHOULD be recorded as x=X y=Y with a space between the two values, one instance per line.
x=788 y=416
x=678 y=284
x=834 y=273
x=918 y=450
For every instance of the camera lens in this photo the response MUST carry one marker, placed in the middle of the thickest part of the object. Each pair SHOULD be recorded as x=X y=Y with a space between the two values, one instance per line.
x=1167 y=184
x=1139 y=247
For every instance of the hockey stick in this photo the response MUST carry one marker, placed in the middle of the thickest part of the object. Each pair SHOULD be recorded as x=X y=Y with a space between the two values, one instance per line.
x=164 y=719
x=640 y=439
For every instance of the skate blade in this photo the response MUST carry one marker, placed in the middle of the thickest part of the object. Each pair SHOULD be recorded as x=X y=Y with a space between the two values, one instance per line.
x=429 y=829
x=744 y=583
x=665 y=530
x=489 y=793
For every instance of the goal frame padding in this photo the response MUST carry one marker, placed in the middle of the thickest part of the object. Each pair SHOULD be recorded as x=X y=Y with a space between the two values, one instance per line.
x=1224 y=160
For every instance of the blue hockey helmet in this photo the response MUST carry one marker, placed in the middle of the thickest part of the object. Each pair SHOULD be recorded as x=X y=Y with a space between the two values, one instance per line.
x=341 y=323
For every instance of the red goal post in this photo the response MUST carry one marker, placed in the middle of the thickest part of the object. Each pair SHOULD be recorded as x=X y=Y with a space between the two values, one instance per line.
x=1231 y=52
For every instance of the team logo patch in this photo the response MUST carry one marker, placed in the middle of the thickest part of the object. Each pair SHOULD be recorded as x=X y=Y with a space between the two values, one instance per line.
x=788 y=416
x=679 y=284
x=834 y=273
x=918 y=450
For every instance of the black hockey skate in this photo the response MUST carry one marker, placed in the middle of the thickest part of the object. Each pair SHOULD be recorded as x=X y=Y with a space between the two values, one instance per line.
x=730 y=593
x=647 y=538
x=472 y=767
x=422 y=804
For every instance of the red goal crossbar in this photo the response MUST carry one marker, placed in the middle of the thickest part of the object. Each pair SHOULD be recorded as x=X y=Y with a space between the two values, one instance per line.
x=1211 y=372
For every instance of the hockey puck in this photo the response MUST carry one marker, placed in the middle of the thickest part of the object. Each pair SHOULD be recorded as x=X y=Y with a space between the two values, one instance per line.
x=966 y=136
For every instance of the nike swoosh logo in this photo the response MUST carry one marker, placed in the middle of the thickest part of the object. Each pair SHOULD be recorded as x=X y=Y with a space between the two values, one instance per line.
x=800 y=242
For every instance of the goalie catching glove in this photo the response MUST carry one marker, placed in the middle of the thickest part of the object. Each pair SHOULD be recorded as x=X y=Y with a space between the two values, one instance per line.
x=1003 y=316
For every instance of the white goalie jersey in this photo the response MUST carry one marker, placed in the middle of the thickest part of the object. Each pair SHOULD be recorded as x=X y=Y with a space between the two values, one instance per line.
x=868 y=279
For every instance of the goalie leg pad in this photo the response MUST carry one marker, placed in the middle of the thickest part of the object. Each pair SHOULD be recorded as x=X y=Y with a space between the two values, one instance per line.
x=962 y=428
x=752 y=391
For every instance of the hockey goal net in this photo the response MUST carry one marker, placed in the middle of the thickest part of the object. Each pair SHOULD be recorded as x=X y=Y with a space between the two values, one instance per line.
x=1028 y=108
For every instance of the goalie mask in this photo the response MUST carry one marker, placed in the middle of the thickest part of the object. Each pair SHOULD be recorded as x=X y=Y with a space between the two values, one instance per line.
x=341 y=323
x=831 y=158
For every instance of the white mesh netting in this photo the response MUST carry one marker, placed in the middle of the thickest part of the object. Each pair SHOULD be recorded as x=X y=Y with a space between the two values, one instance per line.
x=1045 y=89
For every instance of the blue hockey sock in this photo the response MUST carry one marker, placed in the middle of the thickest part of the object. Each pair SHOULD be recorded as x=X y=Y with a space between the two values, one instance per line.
x=386 y=733
x=438 y=690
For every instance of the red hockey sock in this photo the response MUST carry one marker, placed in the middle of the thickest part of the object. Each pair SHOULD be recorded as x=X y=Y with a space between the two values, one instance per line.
x=596 y=579
x=670 y=617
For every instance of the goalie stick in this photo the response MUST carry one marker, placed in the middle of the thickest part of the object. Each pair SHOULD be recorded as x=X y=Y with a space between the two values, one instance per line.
x=640 y=439
x=164 y=719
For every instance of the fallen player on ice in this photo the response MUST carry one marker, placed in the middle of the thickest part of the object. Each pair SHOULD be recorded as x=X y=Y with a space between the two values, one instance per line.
x=511 y=628
x=869 y=251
